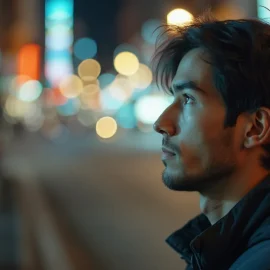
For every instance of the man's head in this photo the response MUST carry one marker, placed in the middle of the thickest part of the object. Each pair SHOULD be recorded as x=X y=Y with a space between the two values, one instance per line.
x=219 y=121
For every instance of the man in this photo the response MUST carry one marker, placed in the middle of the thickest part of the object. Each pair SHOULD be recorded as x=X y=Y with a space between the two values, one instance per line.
x=216 y=139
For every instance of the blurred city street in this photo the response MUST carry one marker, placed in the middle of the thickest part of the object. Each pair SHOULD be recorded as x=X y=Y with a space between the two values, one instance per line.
x=111 y=199
x=80 y=171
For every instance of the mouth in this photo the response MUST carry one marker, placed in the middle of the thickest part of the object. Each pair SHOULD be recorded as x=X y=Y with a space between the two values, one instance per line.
x=167 y=154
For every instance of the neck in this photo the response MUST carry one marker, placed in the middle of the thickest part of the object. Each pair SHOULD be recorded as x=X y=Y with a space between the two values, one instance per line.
x=218 y=201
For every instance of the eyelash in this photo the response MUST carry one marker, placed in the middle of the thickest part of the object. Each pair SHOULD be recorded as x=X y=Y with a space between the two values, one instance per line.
x=187 y=97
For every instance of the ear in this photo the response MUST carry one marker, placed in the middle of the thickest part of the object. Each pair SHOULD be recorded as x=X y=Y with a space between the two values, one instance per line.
x=258 y=128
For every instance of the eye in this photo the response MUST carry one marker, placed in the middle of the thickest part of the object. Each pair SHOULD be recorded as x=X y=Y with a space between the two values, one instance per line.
x=188 y=99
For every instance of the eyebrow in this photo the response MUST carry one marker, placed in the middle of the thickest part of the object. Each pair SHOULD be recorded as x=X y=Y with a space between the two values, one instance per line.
x=178 y=87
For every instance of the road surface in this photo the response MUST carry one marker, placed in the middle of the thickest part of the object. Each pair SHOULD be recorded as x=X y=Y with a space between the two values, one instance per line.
x=109 y=195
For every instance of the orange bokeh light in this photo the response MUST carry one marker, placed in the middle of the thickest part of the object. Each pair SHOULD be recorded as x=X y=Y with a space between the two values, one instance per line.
x=28 y=61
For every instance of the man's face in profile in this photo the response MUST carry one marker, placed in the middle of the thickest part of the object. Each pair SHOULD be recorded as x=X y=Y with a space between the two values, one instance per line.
x=198 y=151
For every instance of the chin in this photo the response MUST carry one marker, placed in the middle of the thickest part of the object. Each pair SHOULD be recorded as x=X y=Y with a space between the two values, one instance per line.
x=199 y=181
x=177 y=181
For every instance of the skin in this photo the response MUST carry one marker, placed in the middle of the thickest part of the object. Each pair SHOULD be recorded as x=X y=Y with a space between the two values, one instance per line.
x=221 y=163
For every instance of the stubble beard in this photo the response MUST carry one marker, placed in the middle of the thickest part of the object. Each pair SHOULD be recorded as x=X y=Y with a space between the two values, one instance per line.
x=201 y=181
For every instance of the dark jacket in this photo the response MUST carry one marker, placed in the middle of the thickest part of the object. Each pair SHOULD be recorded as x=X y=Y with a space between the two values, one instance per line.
x=238 y=241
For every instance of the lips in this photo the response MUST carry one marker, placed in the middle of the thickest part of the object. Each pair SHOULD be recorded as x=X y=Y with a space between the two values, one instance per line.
x=167 y=153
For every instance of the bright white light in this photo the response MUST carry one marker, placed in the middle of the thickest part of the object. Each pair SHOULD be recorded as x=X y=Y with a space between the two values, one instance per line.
x=108 y=102
x=149 y=108
x=263 y=9
x=30 y=91
x=56 y=70
x=59 y=38
x=179 y=17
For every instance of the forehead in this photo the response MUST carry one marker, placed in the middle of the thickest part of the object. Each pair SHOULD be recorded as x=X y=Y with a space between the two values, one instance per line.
x=193 y=67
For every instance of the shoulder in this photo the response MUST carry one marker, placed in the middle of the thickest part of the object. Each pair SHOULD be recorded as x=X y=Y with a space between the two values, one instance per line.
x=256 y=257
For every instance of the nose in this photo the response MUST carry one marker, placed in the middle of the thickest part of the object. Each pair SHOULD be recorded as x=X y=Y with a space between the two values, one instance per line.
x=165 y=125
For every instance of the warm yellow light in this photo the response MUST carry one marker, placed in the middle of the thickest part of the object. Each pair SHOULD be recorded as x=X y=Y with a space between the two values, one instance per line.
x=91 y=89
x=89 y=70
x=106 y=127
x=120 y=88
x=126 y=63
x=71 y=86
x=179 y=17
x=142 y=78
x=17 y=108
x=90 y=101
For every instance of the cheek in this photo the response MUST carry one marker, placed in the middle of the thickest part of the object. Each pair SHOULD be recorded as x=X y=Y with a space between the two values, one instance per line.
x=204 y=136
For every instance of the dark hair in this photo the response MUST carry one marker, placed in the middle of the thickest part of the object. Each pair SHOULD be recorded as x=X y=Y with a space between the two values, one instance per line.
x=240 y=56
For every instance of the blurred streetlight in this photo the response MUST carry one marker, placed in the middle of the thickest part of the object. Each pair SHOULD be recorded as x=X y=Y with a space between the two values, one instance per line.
x=106 y=127
x=179 y=17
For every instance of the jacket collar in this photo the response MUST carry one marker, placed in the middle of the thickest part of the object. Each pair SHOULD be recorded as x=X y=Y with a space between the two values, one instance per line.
x=224 y=241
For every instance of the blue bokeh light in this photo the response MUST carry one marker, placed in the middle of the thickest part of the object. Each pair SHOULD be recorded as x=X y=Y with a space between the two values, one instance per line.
x=105 y=79
x=150 y=31
x=85 y=48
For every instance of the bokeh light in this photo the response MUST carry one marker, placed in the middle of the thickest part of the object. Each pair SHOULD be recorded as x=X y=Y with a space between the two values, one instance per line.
x=105 y=79
x=29 y=60
x=85 y=48
x=71 y=86
x=126 y=116
x=58 y=10
x=89 y=69
x=142 y=78
x=56 y=70
x=121 y=88
x=150 y=30
x=179 y=17
x=29 y=91
x=149 y=108
x=263 y=7
x=16 y=82
x=126 y=47
x=108 y=102
x=16 y=108
x=54 y=97
x=34 y=118
x=106 y=127
x=91 y=89
x=59 y=37
x=90 y=101
x=71 y=107
x=126 y=63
